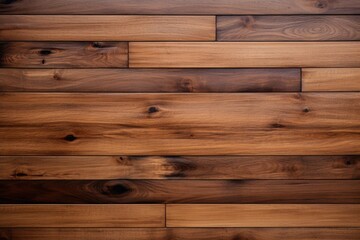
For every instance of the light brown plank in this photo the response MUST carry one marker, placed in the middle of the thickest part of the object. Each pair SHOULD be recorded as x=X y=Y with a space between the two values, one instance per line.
x=244 y=54
x=187 y=167
x=179 y=124
x=140 y=215
x=288 y=28
x=262 y=215
x=150 y=80
x=63 y=54
x=180 y=7
x=331 y=79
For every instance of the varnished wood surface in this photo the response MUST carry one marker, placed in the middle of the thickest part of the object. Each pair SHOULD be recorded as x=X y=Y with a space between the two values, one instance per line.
x=64 y=54
x=178 y=167
x=106 y=28
x=331 y=79
x=180 y=7
x=263 y=215
x=243 y=54
x=149 y=80
x=181 y=191
x=178 y=124
x=109 y=215
x=288 y=28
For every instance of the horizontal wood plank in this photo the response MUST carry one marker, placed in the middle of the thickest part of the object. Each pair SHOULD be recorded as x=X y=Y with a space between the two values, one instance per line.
x=179 y=124
x=63 y=54
x=150 y=80
x=178 y=167
x=179 y=7
x=180 y=191
x=263 y=215
x=243 y=54
x=288 y=28
x=331 y=79
x=106 y=28
x=13 y=215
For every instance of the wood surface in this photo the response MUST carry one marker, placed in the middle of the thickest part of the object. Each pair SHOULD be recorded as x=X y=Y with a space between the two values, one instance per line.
x=106 y=28
x=330 y=79
x=263 y=215
x=150 y=80
x=178 y=167
x=243 y=54
x=64 y=54
x=288 y=28
x=109 y=215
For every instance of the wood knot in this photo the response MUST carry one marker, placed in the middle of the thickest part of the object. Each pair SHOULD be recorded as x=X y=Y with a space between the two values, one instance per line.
x=43 y=61
x=97 y=45
x=321 y=4
x=277 y=125
x=70 y=138
x=57 y=76
x=117 y=189
x=45 y=52
x=186 y=85
x=152 y=109
x=306 y=109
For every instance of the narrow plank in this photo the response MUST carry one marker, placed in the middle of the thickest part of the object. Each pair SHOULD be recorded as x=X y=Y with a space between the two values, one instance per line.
x=179 y=124
x=182 y=233
x=244 y=54
x=106 y=28
x=179 y=7
x=288 y=28
x=63 y=54
x=150 y=80
x=109 y=215
x=263 y=215
x=331 y=79
x=178 y=167
x=180 y=191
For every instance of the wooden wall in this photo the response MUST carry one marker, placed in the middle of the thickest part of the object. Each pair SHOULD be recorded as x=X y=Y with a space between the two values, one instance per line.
x=180 y=119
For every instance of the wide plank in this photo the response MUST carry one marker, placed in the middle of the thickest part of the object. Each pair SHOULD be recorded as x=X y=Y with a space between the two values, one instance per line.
x=109 y=215
x=150 y=80
x=263 y=215
x=243 y=54
x=178 y=167
x=180 y=191
x=288 y=28
x=106 y=28
x=179 y=124
x=330 y=79
x=63 y=54
x=179 y=7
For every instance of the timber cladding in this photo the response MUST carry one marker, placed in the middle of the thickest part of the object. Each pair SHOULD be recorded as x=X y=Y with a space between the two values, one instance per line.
x=180 y=120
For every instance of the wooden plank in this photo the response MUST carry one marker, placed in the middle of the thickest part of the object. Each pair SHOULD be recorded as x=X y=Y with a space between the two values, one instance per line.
x=150 y=80
x=106 y=28
x=179 y=7
x=180 y=191
x=63 y=54
x=178 y=167
x=109 y=215
x=331 y=79
x=182 y=233
x=244 y=54
x=262 y=215
x=288 y=28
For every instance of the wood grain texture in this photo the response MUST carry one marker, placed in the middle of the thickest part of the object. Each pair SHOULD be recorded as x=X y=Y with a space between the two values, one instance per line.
x=150 y=80
x=106 y=28
x=243 y=54
x=181 y=233
x=180 y=191
x=13 y=215
x=63 y=54
x=178 y=167
x=288 y=28
x=263 y=215
x=331 y=79
x=180 y=7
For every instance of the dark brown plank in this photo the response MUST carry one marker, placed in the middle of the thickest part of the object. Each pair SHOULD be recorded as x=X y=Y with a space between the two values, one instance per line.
x=63 y=54
x=179 y=7
x=180 y=191
x=150 y=80
x=288 y=28
x=178 y=167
